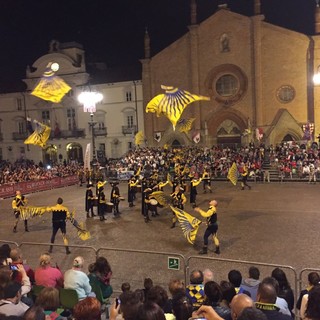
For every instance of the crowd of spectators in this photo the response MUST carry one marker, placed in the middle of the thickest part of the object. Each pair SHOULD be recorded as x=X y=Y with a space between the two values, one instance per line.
x=235 y=297
x=27 y=170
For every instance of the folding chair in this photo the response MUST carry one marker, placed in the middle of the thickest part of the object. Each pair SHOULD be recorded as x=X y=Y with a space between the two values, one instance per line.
x=68 y=298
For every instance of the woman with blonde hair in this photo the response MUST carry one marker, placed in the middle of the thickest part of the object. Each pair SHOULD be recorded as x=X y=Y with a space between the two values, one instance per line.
x=46 y=275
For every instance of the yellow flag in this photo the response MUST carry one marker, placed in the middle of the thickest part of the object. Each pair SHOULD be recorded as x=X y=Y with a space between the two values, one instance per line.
x=40 y=135
x=233 y=174
x=30 y=212
x=188 y=223
x=185 y=125
x=139 y=137
x=172 y=103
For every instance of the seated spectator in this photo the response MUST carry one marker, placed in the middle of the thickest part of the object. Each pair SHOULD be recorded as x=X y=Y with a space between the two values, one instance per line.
x=87 y=309
x=285 y=290
x=11 y=304
x=213 y=297
x=266 y=299
x=47 y=276
x=313 y=280
x=239 y=303
x=181 y=306
x=150 y=311
x=228 y=292
x=195 y=290
x=207 y=276
x=34 y=313
x=280 y=302
x=235 y=278
x=100 y=274
x=130 y=303
x=125 y=287
x=49 y=300
x=158 y=295
x=252 y=314
x=251 y=284
x=312 y=310
x=16 y=257
x=76 y=279
x=148 y=284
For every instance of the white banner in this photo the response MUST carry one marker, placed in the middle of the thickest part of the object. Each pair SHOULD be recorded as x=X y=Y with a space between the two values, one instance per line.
x=87 y=157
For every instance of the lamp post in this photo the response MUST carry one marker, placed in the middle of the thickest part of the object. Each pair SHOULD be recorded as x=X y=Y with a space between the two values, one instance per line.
x=89 y=99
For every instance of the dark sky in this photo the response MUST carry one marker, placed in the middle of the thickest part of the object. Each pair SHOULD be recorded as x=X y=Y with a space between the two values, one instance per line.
x=112 y=30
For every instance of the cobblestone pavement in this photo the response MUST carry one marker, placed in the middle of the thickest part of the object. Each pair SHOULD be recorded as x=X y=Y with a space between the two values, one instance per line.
x=272 y=223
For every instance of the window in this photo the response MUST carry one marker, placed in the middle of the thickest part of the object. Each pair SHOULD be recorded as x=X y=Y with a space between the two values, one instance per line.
x=286 y=94
x=71 y=119
x=19 y=104
x=21 y=126
x=46 y=117
x=128 y=96
x=130 y=121
x=130 y=145
x=227 y=85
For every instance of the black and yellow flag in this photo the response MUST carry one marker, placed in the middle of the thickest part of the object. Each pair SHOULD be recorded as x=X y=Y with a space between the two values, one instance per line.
x=172 y=103
x=233 y=174
x=40 y=135
x=188 y=223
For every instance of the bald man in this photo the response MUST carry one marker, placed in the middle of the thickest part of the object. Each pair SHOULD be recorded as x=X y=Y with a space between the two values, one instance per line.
x=212 y=226
x=239 y=303
x=266 y=299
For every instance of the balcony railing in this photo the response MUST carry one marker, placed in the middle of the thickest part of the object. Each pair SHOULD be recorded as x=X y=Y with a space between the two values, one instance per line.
x=19 y=135
x=64 y=134
x=100 y=132
x=129 y=130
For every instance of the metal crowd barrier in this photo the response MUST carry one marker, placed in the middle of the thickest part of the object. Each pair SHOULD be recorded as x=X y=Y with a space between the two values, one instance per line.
x=133 y=266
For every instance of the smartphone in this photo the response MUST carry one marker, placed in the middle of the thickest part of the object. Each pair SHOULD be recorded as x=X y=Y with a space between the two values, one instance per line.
x=13 y=267
x=118 y=301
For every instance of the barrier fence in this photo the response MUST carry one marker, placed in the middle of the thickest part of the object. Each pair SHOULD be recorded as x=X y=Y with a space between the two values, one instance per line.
x=133 y=266
x=9 y=190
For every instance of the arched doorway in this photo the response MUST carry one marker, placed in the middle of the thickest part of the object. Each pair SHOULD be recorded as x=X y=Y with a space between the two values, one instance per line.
x=176 y=144
x=228 y=134
x=74 y=152
x=288 y=137
x=50 y=154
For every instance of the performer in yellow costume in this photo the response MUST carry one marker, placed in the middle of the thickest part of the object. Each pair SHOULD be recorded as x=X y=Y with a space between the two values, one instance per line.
x=19 y=201
x=179 y=200
x=212 y=226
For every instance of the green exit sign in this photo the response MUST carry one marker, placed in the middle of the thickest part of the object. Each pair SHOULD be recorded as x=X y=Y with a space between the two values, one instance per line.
x=173 y=263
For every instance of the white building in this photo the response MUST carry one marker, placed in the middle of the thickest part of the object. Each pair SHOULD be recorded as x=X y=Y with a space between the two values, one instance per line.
x=117 y=118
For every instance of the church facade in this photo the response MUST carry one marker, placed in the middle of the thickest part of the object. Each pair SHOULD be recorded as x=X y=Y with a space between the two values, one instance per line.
x=259 y=78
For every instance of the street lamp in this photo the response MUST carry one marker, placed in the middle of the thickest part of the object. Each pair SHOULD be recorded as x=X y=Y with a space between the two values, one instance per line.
x=89 y=99
x=316 y=77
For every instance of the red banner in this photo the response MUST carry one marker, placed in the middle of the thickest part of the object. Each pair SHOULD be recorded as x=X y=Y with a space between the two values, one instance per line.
x=9 y=190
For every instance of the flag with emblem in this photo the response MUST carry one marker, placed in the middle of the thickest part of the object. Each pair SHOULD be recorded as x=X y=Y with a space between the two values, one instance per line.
x=158 y=136
x=233 y=174
x=40 y=135
x=188 y=223
x=196 y=136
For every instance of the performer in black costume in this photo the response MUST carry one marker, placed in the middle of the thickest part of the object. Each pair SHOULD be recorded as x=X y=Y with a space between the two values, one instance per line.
x=178 y=201
x=115 y=198
x=60 y=214
x=89 y=201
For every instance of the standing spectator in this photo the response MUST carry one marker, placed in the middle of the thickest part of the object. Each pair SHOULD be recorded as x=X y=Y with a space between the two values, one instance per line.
x=239 y=303
x=313 y=306
x=100 y=274
x=235 y=277
x=181 y=306
x=207 y=275
x=47 y=276
x=251 y=284
x=195 y=290
x=76 y=279
x=228 y=292
x=19 y=201
x=147 y=284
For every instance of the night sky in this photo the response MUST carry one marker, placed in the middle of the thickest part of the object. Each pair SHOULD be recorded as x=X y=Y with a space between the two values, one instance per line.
x=112 y=31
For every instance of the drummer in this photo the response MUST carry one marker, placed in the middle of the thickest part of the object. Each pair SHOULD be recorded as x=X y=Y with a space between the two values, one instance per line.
x=150 y=205
x=115 y=198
